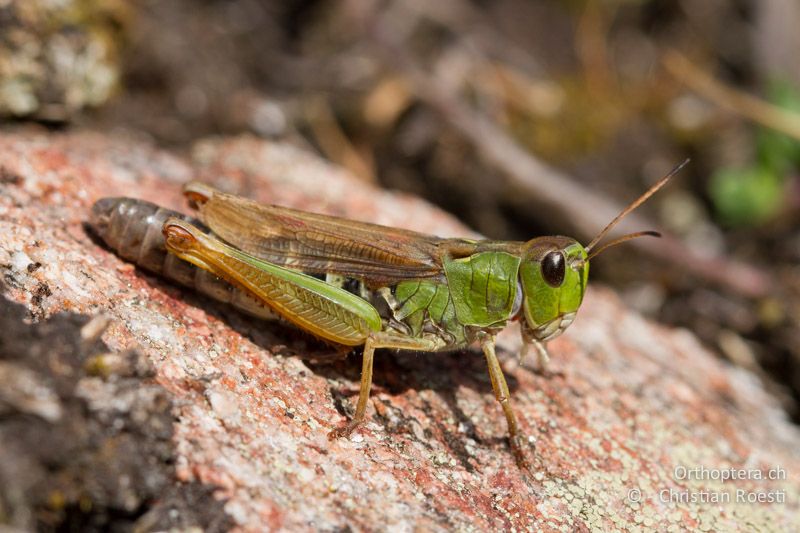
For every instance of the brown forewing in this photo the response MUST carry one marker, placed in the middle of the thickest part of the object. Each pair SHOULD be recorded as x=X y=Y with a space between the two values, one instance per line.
x=311 y=242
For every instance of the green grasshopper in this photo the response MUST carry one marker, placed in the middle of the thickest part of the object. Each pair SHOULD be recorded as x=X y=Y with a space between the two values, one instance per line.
x=354 y=283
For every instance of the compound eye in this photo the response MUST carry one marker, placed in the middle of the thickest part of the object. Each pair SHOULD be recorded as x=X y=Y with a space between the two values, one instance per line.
x=553 y=268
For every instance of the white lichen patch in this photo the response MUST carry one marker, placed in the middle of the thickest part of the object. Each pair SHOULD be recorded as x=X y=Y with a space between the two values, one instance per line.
x=19 y=261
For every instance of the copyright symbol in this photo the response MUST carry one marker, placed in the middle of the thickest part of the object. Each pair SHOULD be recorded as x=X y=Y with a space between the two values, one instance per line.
x=635 y=495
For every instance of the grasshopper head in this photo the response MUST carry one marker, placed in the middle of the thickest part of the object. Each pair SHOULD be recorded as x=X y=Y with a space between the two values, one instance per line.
x=554 y=272
x=553 y=276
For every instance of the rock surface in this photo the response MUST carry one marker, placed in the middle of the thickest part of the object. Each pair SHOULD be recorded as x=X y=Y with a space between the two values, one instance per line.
x=634 y=425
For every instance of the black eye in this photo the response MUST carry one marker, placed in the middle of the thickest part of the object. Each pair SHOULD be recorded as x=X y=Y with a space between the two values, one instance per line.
x=554 y=268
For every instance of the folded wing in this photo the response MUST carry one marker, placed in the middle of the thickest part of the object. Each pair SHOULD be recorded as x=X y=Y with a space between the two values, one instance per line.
x=315 y=243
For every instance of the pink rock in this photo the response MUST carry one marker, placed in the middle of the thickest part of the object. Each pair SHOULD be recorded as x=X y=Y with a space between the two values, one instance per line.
x=633 y=429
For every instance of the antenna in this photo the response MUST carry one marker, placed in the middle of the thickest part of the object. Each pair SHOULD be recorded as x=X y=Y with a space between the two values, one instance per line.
x=636 y=203
x=622 y=239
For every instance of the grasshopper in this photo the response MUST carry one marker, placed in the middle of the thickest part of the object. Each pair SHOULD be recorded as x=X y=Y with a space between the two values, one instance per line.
x=359 y=284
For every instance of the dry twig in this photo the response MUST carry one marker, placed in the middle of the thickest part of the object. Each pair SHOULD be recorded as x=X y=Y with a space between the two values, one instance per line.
x=726 y=97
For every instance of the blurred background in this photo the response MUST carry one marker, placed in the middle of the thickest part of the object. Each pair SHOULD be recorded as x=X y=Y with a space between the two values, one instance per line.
x=520 y=117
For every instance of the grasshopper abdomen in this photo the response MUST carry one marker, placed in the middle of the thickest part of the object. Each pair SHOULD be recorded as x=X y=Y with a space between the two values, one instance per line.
x=132 y=229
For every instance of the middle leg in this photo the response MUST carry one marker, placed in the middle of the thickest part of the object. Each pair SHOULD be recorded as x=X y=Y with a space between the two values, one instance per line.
x=380 y=339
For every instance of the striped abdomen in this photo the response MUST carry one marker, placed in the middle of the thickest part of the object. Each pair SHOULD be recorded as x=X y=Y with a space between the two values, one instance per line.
x=132 y=229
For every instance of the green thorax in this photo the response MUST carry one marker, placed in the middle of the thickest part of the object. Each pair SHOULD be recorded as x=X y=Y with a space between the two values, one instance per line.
x=422 y=304
x=483 y=287
x=479 y=291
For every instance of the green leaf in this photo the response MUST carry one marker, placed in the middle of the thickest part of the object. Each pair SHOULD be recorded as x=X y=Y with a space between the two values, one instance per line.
x=748 y=196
